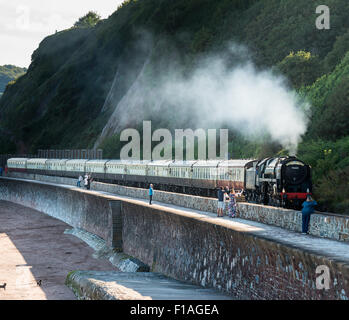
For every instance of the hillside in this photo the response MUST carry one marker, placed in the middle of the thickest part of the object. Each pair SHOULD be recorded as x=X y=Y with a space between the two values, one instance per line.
x=9 y=73
x=85 y=85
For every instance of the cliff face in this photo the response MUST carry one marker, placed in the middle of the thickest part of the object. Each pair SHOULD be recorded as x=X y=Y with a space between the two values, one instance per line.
x=85 y=85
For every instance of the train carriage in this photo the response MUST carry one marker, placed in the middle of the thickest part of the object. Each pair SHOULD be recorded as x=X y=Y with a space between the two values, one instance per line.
x=17 y=164
x=36 y=165
x=158 y=172
x=231 y=173
x=75 y=168
x=205 y=174
x=180 y=175
x=96 y=168
x=136 y=173
x=57 y=167
x=115 y=171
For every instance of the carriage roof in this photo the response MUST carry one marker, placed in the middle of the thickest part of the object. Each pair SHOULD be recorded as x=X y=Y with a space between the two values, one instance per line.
x=56 y=161
x=37 y=160
x=160 y=163
x=96 y=162
x=73 y=161
x=235 y=163
x=182 y=164
x=207 y=163
x=18 y=159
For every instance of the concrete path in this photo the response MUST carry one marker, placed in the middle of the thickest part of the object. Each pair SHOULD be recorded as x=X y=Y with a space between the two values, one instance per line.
x=332 y=249
x=137 y=286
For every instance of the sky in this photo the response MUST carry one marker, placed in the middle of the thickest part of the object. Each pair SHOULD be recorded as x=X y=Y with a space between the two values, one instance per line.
x=25 y=23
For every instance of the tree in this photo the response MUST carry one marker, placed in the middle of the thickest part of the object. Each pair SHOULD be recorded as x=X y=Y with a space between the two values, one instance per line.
x=89 y=20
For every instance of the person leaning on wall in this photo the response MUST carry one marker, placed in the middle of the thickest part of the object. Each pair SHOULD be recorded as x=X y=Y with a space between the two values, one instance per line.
x=308 y=209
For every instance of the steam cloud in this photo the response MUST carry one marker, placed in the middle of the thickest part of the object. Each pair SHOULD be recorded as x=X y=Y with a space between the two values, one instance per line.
x=251 y=101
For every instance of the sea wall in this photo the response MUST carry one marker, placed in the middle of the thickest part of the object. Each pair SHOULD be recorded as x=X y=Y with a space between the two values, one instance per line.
x=326 y=225
x=187 y=246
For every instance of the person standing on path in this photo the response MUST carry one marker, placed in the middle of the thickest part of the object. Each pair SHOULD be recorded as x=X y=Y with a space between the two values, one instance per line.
x=80 y=179
x=89 y=181
x=151 y=192
x=232 y=204
x=86 y=181
x=220 y=207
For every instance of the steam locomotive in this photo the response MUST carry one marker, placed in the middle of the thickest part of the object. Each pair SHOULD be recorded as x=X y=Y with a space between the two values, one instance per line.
x=283 y=182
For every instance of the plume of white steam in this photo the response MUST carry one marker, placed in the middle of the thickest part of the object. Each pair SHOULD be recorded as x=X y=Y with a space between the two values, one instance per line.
x=254 y=102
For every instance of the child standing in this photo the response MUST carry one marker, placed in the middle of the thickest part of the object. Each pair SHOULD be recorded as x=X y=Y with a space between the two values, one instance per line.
x=151 y=192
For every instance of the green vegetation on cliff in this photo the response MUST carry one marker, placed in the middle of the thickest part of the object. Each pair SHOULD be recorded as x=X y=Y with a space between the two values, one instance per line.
x=9 y=73
x=63 y=101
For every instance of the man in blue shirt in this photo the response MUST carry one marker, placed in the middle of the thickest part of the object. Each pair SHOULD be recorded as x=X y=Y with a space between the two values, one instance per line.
x=151 y=191
x=1 y=171
x=308 y=209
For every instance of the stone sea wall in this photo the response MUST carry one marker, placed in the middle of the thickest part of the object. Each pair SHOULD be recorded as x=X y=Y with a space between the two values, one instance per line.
x=327 y=225
x=191 y=247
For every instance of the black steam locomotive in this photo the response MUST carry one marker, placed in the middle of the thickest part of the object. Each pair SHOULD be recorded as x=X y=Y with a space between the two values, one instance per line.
x=282 y=181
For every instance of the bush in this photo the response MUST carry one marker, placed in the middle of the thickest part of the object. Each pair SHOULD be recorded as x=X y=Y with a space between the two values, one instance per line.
x=332 y=191
x=301 y=68
x=88 y=20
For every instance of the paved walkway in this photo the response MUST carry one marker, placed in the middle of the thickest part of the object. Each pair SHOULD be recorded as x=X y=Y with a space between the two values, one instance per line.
x=139 y=286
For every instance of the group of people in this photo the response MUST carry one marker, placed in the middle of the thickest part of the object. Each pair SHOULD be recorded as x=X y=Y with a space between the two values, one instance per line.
x=227 y=195
x=86 y=180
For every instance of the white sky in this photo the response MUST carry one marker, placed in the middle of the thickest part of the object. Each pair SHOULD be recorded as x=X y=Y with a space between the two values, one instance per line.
x=25 y=23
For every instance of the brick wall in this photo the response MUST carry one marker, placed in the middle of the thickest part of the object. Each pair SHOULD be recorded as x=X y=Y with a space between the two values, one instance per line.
x=216 y=255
